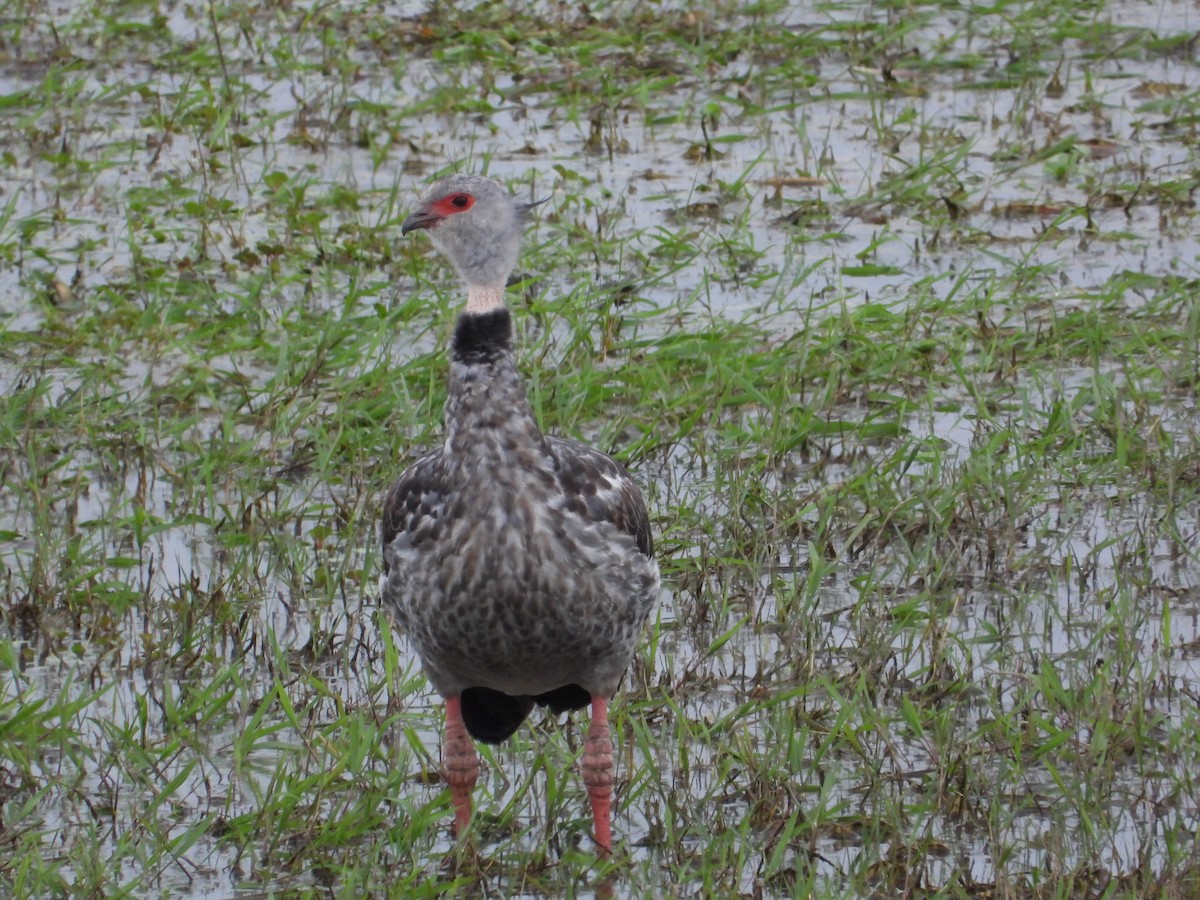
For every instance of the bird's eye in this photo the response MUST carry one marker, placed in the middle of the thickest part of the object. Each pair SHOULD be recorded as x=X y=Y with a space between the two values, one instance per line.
x=449 y=204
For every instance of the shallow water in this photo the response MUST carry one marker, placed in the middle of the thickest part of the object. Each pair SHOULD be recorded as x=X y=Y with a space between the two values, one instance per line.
x=634 y=175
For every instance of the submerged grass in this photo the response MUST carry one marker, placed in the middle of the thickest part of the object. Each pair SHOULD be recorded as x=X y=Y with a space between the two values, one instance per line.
x=891 y=310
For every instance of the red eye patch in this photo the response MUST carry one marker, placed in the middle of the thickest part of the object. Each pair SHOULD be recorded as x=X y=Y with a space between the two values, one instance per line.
x=453 y=203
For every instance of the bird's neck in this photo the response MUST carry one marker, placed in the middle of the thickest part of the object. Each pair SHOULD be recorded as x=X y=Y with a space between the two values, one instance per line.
x=482 y=337
x=486 y=407
x=484 y=299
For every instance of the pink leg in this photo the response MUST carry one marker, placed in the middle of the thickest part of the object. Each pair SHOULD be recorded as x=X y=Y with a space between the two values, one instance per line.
x=460 y=765
x=598 y=773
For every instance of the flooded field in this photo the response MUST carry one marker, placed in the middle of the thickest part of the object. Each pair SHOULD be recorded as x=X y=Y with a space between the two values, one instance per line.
x=891 y=308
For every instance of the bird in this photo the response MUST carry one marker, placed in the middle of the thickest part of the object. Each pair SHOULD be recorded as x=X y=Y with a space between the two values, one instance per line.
x=520 y=566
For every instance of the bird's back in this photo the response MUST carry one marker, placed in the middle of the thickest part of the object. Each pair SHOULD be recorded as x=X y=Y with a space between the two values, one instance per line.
x=519 y=579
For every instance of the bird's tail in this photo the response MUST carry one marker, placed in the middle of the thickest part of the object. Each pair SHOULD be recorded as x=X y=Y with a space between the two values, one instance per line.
x=492 y=716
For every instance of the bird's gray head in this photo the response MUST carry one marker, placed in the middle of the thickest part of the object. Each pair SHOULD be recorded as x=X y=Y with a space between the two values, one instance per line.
x=476 y=224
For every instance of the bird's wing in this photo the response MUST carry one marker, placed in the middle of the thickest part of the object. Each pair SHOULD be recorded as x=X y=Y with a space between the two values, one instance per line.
x=599 y=489
x=414 y=505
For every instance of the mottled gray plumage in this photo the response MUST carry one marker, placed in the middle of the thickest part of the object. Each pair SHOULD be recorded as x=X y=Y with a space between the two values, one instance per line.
x=514 y=561
x=520 y=566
